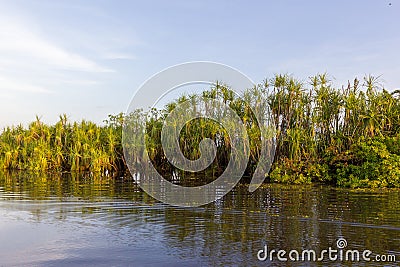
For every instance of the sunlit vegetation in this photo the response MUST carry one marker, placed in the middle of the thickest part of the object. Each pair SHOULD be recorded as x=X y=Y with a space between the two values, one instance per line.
x=196 y=130
x=348 y=136
x=64 y=146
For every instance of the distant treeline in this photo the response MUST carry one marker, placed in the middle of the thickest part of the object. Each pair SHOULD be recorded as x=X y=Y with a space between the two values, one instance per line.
x=345 y=136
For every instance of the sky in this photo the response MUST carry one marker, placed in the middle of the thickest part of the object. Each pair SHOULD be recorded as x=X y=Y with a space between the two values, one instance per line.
x=87 y=58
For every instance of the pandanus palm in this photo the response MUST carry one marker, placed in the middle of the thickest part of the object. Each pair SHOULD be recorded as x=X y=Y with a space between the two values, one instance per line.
x=311 y=120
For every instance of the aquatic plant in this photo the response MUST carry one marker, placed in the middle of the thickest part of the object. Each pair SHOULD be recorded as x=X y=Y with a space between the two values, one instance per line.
x=348 y=136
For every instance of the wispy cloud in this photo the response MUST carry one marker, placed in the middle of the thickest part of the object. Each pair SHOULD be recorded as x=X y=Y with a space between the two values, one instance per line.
x=55 y=56
x=25 y=52
x=18 y=40
x=7 y=84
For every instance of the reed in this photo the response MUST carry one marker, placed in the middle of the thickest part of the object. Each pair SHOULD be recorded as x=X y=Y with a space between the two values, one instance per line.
x=64 y=146
x=347 y=136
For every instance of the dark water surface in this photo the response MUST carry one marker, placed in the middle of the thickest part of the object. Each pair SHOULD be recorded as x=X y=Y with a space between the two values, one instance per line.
x=51 y=220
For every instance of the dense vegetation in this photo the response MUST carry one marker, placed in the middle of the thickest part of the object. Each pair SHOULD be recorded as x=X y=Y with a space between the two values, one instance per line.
x=64 y=146
x=348 y=137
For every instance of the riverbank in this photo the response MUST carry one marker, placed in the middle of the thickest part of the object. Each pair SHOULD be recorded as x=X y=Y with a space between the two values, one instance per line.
x=347 y=137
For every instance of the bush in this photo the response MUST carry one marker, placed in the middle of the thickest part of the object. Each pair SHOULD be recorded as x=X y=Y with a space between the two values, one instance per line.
x=298 y=172
x=371 y=165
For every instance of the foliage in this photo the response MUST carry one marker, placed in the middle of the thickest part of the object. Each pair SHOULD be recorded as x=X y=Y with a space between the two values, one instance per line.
x=301 y=172
x=64 y=146
x=348 y=136
x=369 y=164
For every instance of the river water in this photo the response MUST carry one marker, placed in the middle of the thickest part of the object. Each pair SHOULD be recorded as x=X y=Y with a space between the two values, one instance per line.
x=81 y=220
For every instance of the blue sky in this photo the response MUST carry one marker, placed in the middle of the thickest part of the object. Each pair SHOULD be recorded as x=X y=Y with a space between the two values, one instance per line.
x=87 y=58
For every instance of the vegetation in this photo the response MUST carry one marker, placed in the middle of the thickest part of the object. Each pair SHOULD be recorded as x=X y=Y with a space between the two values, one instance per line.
x=348 y=137
x=64 y=146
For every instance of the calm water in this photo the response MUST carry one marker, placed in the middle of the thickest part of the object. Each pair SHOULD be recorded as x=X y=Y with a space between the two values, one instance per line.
x=81 y=220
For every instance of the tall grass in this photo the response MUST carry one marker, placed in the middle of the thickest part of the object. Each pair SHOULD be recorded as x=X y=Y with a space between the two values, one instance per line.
x=64 y=146
x=330 y=134
x=324 y=133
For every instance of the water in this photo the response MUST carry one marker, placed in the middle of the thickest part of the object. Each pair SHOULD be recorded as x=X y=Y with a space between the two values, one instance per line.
x=52 y=220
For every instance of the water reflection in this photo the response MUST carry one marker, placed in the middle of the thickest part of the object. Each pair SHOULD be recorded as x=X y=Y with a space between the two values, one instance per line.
x=87 y=220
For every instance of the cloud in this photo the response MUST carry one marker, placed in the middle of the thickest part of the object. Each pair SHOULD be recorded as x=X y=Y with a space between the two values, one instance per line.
x=7 y=84
x=17 y=41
